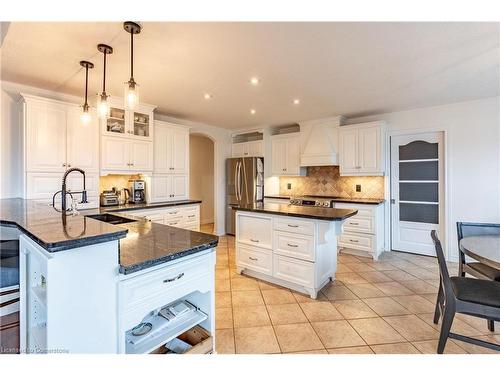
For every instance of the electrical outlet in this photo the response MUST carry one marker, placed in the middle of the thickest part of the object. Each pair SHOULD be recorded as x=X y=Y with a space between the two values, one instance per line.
x=289 y=186
x=358 y=188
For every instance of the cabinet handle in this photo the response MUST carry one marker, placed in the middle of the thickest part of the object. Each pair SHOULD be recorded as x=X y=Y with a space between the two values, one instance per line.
x=251 y=239
x=175 y=223
x=173 y=212
x=355 y=241
x=293 y=226
x=253 y=258
x=179 y=276
x=351 y=223
x=64 y=164
x=191 y=216
x=292 y=245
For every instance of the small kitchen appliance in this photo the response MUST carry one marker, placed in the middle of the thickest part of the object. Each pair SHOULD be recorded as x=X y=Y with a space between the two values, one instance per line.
x=137 y=190
x=109 y=198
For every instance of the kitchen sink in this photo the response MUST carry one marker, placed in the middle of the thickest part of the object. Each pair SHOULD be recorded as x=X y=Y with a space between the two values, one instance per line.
x=111 y=219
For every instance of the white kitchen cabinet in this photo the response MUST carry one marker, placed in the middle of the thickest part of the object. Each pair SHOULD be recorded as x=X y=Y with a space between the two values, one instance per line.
x=179 y=187
x=248 y=149
x=125 y=155
x=82 y=141
x=286 y=155
x=362 y=149
x=166 y=187
x=123 y=123
x=185 y=216
x=171 y=148
x=141 y=155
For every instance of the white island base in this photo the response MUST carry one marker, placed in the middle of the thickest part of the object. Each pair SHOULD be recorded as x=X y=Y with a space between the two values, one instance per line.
x=296 y=253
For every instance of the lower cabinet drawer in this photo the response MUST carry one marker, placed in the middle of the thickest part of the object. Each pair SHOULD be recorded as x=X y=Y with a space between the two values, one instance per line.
x=294 y=245
x=361 y=224
x=293 y=270
x=294 y=225
x=255 y=259
x=364 y=242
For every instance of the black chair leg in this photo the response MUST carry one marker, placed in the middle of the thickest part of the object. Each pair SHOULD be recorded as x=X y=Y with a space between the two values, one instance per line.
x=491 y=325
x=437 y=312
x=448 y=316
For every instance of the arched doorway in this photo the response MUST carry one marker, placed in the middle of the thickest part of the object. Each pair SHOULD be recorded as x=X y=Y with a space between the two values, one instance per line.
x=202 y=177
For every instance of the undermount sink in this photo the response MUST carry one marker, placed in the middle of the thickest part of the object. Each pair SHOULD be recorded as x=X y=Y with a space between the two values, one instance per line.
x=111 y=219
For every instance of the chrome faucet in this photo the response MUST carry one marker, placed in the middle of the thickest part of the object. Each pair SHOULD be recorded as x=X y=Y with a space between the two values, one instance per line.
x=65 y=192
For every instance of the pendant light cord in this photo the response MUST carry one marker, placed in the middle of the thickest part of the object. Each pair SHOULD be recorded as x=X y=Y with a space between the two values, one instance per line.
x=104 y=77
x=86 y=84
x=132 y=56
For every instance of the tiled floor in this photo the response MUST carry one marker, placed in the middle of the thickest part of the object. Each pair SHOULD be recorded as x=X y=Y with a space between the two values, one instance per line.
x=372 y=307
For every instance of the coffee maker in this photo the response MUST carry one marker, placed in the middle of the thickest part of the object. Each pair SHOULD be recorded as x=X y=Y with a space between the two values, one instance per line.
x=137 y=190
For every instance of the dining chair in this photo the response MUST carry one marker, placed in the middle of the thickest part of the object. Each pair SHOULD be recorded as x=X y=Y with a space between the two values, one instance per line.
x=457 y=294
x=477 y=269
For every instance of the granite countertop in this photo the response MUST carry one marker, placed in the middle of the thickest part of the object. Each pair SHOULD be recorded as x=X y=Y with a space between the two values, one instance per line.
x=374 y=201
x=54 y=231
x=307 y=212
x=140 y=206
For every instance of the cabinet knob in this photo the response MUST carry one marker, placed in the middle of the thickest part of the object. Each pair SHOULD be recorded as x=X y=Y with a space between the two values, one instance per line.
x=69 y=165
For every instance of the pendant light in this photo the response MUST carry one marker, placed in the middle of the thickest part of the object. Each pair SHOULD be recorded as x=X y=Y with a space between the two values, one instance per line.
x=131 y=87
x=85 y=116
x=102 y=98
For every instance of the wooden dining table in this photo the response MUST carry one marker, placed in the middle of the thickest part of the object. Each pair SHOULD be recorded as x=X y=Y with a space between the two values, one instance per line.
x=485 y=249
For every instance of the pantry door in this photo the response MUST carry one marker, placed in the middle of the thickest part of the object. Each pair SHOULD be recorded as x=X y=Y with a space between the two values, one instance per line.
x=417 y=191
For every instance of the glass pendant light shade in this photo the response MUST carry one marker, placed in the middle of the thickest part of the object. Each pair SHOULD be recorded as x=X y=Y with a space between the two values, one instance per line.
x=102 y=106
x=131 y=94
x=85 y=117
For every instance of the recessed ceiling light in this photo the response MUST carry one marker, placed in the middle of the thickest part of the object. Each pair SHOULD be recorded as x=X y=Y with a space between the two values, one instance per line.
x=253 y=111
x=296 y=101
x=254 y=81
x=207 y=96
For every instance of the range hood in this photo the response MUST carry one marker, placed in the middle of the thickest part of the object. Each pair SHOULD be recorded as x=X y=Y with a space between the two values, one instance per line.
x=320 y=142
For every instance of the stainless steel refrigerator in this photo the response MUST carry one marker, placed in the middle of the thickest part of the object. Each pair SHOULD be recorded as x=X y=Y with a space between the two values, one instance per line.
x=245 y=185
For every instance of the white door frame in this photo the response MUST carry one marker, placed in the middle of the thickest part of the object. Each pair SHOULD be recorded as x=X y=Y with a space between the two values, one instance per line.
x=446 y=237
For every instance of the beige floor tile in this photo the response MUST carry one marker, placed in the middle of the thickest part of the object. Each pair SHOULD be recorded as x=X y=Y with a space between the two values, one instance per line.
x=342 y=268
x=337 y=334
x=376 y=277
x=352 y=350
x=412 y=328
x=403 y=264
x=424 y=274
x=256 y=340
x=347 y=258
x=224 y=341
x=338 y=292
x=247 y=298
x=351 y=278
x=354 y=309
x=223 y=318
x=376 y=331
x=320 y=311
x=297 y=337
x=458 y=326
x=475 y=349
x=386 y=306
x=278 y=297
x=399 y=275
x=317 y=351
x=477 y=323
x=393 y=288
x=263 y=285
x=415 y=303
x=420 y=286
x=360 y=267
x=244 y=283
x=397 y=348
x=250 y=316
x=303 y=298
x=431 y=297
x=286 y=314
x=365 y=290
x=430 y=347
x=222 y=285
x=222 y=273
x=383 y=266
x=223 y=299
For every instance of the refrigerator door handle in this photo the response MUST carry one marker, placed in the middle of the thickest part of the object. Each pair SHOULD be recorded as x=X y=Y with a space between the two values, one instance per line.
x=238 y=181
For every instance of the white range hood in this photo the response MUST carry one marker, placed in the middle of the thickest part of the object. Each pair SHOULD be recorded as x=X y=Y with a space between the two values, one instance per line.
x=319 y=142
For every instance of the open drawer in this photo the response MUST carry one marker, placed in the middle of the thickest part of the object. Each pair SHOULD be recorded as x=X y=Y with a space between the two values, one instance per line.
x=198 y=337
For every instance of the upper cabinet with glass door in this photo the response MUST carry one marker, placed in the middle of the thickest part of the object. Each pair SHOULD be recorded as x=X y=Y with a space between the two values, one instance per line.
x=135 y=124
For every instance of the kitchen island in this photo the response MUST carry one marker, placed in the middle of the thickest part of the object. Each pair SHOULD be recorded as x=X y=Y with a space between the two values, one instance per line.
x=87 y=280
x=292 y=246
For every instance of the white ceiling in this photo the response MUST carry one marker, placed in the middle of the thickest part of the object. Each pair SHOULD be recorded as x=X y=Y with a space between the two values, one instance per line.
x=334 y=68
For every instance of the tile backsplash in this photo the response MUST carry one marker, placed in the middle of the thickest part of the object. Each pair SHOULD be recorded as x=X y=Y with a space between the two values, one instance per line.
x=115 y=180
x=327 y=181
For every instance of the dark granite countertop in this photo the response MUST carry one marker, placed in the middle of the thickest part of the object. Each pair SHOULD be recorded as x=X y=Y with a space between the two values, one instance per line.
x=306 y=212
x=54 y=231
x=140 y=206
x=373 y=201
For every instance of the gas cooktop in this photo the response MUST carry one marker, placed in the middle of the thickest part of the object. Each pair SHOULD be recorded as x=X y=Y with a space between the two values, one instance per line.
x=313 y=200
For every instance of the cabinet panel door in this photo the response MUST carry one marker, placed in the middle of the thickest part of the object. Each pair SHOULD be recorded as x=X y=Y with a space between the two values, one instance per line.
x=292 y=158
x=279 y=156
x=179 y=149
x=239 y=150
x=161 y=149
x=140 y=125
x=349 y=151
x=46 y=137
x=43 y=185
x=160 y=186
x=83 y=142
x=115 y=154
x=256 y=148
x=141 y=156
x=75 y=183
x=179 y=187
x=369 y=150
